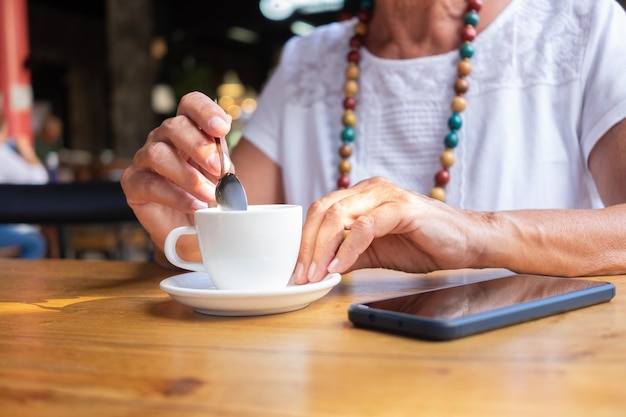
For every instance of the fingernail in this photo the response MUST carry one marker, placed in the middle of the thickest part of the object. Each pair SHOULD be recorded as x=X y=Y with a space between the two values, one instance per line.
x=213 y=162
x=311 y=272
x=197 y=204
x=218 y=125
x=333 y=264
x=297 y=274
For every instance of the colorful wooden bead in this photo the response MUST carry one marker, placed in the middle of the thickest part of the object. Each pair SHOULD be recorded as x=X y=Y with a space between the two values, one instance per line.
x=345 y=151
x=361 y=28
x=343 y=181
x=349 y=103
x=458 y=104
x=475 y=5
x=442 y=177
x=464 y=68
x=447 y=158
x=354 y=56
x=451 y=140
x=455 y=121
x=467 y=50
x=352 y=71
x=461 y=86
x=438 y=193
x=350 y=88
x=345 y=167
x=349 y=118
x=348 y=134
x=471 y=18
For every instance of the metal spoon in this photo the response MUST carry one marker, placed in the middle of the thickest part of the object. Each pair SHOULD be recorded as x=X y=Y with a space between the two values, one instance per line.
x=229 y=192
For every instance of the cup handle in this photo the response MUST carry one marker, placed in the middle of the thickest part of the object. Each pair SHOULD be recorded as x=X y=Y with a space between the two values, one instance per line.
x=172 y=255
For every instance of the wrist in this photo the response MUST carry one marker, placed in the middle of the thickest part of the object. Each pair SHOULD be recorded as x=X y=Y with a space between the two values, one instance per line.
x=495 y=234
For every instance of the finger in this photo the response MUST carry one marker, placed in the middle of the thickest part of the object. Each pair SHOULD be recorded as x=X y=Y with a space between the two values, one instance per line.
x=143 y=187
x=314 y=219
x=329 y=235
x=163 y=159
x=205 y=113
x=383 y=220
x=189 y=142
x=327 y=229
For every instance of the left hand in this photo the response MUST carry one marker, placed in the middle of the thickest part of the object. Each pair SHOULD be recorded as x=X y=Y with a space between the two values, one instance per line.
x=386 y=226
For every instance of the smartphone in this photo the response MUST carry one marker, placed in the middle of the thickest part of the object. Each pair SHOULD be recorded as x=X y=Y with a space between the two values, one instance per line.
x=457 y=311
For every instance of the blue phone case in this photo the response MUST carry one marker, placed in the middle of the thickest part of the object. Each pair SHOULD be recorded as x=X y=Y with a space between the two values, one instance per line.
x=438 y=328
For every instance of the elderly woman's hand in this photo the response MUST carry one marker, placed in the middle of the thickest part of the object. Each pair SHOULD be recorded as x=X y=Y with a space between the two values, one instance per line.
x=175 y=172
x=378 y=224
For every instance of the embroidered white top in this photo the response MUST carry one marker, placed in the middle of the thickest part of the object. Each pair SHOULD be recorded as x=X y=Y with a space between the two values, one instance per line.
x=547 y=83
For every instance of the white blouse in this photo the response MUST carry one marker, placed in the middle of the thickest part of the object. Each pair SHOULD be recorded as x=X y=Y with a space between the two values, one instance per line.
x=548 y=81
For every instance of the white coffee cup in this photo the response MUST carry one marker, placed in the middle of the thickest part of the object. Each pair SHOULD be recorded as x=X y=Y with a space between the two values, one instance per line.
x=255 y=249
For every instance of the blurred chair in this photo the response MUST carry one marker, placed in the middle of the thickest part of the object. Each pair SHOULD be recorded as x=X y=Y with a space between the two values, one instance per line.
x=70 y=204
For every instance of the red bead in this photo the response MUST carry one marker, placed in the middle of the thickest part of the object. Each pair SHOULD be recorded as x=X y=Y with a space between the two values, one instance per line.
x=343 y=181
x=363 y=15
x=356 y=41
x=442 y=177
x=354 y=56
x=468 y=33
x=474 y=5
x=349 y=103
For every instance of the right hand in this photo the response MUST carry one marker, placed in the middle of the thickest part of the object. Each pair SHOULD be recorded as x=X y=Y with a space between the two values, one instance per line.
x=176 y=170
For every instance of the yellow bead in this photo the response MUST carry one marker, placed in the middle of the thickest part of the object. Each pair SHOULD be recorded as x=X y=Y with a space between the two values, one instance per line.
x=458 y=104
x=349 y=118
x=465 y=68
x=447 y=158
x=438 y=193
x=360 y=29
x=352 y=71
x=345 y=166
x=350 y=88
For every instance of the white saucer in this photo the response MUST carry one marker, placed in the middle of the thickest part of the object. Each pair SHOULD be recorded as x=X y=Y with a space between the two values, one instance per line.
x=196 y=290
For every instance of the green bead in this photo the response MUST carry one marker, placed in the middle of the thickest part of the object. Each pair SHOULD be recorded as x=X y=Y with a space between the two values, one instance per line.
x=348 y=134
x=466 y=50
x=451 y=140
x=455 y=122
x=471 y=18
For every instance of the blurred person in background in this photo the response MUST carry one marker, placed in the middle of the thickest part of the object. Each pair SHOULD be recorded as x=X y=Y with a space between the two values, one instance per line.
x=48 y=141
x=20 y=165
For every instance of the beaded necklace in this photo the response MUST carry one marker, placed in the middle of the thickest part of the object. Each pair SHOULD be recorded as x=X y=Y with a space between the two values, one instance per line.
x=458 y=104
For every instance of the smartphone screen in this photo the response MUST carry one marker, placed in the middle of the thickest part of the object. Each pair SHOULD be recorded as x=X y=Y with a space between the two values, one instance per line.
x=451 y=312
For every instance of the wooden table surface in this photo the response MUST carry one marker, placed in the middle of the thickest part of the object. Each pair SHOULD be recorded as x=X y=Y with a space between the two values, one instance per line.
x=99 y=338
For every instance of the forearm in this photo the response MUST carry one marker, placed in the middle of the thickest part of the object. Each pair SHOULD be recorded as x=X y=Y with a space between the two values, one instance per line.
x=557 y=242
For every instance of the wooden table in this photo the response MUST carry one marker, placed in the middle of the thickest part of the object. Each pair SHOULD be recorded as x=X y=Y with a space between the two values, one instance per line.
x=99 y=338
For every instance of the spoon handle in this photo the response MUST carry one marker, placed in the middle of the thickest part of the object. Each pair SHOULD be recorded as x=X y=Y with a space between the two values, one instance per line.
x=220 y=150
